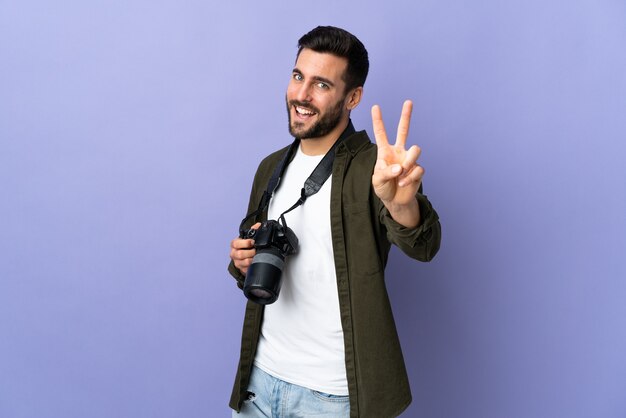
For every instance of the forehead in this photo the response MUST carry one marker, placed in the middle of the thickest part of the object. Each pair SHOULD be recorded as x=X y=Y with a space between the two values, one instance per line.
x=321 y=64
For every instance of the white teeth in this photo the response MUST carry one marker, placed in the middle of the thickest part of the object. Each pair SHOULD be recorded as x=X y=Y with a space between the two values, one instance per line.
x=304 y=111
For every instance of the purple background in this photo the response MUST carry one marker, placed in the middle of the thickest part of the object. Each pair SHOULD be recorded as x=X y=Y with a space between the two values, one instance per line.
x=129 y=134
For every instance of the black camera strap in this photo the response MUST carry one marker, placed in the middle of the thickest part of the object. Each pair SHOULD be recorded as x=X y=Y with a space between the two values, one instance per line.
x=313 y=183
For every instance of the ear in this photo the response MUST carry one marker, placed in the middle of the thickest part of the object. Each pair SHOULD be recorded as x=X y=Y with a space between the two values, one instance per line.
x=354 y=98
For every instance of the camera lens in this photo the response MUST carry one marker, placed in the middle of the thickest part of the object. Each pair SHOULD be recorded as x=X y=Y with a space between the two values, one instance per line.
x=263 y=280
x=260 y=293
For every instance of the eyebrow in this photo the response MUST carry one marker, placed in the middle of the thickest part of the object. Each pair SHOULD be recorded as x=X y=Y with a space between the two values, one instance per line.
x=316 y=78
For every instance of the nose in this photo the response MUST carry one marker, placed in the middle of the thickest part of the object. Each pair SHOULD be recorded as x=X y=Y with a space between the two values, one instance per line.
x=303 y=92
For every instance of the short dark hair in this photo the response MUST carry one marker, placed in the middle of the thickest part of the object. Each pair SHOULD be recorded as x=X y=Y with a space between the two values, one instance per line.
x=343 y=44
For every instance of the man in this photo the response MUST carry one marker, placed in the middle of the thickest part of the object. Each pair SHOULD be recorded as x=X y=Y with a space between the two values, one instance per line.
x=328 y=346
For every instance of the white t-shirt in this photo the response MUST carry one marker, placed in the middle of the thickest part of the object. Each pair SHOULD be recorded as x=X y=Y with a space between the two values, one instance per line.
x=301 y=338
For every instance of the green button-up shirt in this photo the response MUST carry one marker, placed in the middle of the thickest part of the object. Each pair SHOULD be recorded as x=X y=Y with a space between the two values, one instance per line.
x=362 y=233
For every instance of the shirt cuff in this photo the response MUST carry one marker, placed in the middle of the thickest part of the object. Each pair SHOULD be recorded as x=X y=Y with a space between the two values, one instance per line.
x=413 y=236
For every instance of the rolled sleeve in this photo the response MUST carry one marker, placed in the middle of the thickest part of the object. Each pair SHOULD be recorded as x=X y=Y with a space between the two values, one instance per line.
x=421 y=242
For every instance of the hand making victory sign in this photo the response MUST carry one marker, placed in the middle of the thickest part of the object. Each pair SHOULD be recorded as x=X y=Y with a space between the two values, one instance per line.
x=397 y=176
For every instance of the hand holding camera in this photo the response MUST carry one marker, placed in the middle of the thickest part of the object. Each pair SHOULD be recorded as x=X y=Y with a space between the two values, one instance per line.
x=242 y=251
x=272 y=243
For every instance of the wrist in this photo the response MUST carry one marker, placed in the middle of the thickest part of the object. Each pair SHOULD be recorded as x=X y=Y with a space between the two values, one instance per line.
x=406 y=214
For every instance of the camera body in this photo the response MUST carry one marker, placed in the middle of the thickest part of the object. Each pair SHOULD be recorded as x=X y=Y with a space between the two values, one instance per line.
x=273 y=242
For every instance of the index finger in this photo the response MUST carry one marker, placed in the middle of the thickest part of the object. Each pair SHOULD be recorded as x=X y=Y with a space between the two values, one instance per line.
x=405 y=122
x=379 y=127
x=241 y=243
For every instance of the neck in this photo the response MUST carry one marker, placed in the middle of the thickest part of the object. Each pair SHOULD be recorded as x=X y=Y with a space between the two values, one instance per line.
x=321 y=145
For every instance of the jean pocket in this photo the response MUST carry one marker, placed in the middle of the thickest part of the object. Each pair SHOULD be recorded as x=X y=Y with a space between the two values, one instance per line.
x=330 y=397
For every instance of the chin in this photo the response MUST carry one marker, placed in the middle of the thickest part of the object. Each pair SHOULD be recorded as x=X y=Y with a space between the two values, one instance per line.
x=297 y=130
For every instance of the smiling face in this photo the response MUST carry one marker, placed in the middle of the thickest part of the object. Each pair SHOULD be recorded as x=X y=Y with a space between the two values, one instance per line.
x=317 y=103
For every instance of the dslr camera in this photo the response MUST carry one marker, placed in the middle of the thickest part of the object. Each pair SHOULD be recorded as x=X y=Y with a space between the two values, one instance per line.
x=273 y=242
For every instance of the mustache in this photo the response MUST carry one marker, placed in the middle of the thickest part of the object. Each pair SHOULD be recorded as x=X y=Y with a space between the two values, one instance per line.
x=303 y=105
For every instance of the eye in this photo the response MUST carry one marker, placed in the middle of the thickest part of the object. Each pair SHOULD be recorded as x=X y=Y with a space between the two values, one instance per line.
x=298 y=77
x=322 y=85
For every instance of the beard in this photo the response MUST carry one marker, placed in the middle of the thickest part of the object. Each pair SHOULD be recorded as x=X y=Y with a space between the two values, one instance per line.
x=325 y=124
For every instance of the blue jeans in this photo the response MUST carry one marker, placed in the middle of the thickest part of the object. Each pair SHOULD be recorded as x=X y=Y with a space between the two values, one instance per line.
x=272 y=397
